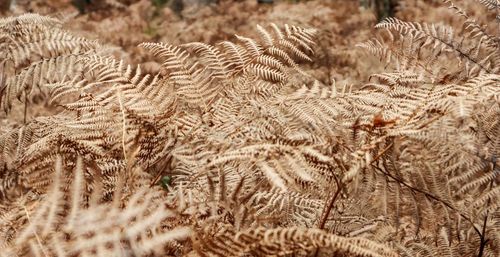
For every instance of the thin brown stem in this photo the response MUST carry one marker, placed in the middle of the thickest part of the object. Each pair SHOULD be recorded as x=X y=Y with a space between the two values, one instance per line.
x=329 y=204
x=483 y=241
x=327 y=208
x=25 y=107
x=382 y=153
x=483 y=238
x=427 y=194
x=163 y=167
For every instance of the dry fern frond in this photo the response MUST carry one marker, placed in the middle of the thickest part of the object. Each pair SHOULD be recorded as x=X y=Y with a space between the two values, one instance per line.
x=282 y=241
x=248 y=164
x=202 y=82
x=490 y=4
x=28 y=43
x=421 y=47
x=137 y=228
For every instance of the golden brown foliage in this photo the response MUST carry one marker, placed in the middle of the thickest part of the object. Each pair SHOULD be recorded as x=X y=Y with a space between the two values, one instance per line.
x=219 y=152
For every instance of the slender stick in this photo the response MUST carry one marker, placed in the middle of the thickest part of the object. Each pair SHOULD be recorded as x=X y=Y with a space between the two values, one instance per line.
x=484 y=241
x=329 y=205
x=163 y=167
x=482 y=245
x=25 y=107
x=436 y=198
x=327 y=209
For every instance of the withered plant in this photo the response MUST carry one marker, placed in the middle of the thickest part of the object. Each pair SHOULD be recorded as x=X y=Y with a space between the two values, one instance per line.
x=219 y=154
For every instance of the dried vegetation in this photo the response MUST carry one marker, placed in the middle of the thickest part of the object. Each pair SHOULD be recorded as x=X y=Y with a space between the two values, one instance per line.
x=282 y=141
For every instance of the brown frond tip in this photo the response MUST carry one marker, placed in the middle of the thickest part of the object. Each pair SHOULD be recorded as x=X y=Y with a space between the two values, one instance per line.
x=199 y=78
x=440 y=39
x=29 y=42
x=491 y=5
x=29 y=18
x=12 y=185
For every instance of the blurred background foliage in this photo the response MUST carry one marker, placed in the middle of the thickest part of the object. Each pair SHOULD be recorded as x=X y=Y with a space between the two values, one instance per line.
x=5 y=5
x=381 y=8
x=159 y=3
